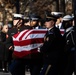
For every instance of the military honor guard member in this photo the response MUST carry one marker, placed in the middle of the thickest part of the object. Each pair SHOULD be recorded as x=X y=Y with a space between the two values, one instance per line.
x=9 y=42
x=52 y=47
x=70 y=45
x=17 y=66
x=59 y=20
x=36 y=58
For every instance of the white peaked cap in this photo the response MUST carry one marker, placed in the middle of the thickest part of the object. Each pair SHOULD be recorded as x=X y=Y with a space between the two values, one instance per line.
x=24 y=17
x=57 y=13
x=67 y=18
x=18 y=15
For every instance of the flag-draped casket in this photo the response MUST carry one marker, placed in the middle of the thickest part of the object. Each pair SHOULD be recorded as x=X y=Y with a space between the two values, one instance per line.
x=28 y=41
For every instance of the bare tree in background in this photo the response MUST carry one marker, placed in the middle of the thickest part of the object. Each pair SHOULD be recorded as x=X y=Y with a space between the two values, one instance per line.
x=62 y=5
x=37 y=6
x=40 y=6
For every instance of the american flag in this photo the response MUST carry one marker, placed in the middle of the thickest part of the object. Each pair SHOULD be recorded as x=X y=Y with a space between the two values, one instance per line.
x=28 y=41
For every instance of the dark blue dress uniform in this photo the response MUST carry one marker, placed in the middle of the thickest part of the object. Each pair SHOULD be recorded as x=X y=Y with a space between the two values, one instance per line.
x=70 y=45
x=52 y=49
x=51 y=46
x=70 y=52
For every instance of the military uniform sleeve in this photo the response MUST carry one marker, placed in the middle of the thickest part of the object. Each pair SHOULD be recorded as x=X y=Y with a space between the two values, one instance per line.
x=48 y=43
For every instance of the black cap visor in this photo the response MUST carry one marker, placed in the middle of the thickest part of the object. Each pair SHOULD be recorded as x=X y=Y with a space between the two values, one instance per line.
x=49 y=19
x=16 y=18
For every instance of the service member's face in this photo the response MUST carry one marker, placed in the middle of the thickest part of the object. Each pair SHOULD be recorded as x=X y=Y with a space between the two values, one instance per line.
x=58 y=21
x=33 y=23
x=49 y=24
x=27 y=23
x=16 y=21
x=66 y=24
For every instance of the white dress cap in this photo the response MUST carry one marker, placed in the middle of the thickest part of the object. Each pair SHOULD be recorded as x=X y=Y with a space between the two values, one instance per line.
x=18 y=15
x=67 y=18
x=25 y=18
x=56 y=13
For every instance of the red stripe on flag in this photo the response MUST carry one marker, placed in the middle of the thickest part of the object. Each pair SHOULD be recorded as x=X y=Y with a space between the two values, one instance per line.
x=24 y=53
x=26 y=31
x=28 y=42
x=32 y=32
x=15 y=36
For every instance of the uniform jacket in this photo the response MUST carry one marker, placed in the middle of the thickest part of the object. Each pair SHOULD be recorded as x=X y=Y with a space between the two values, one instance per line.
x=70 y=42
x=53 y=46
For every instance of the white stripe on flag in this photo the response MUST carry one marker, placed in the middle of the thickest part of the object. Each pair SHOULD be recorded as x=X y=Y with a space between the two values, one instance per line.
x=27 y=48
x=31 y=36
x=17 y=38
